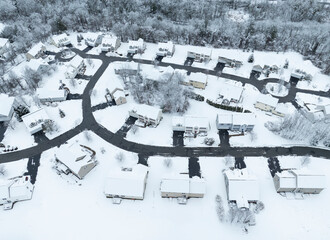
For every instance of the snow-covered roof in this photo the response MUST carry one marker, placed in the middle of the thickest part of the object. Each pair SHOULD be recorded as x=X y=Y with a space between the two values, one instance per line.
x=126 y=183
x=287 y=179
x=146 y=110
x=136 y=44
x=296 y=75
x=197 y=186
x=244 y=119
x=6 y=103
x=308 y=179
x=36 y=49
x=229 y=91
x=61 y=38
x=34 y=120
x=242 y=186
x=199 y=50
x=267 y=99
x=191 y=121
x=44 y=93
x=165 y=46
x=20 y=187
x=257 y=68
x=34 y=64
x=3 y=42
x=225 y=118
x=198 y=77
x=109 y=40
x=327 y=109
x=176 y=184
x=76 y=61
x=73 y=156
x=118 y=93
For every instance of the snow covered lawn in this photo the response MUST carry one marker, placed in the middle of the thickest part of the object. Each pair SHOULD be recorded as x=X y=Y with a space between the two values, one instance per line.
x=277 y=89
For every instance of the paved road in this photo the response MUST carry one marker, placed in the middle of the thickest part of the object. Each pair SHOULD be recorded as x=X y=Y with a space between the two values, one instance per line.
x=90 y=123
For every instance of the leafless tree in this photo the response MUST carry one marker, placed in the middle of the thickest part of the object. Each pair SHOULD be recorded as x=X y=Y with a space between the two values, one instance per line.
x=120 y=157
x=3 y=170
x=167 y=162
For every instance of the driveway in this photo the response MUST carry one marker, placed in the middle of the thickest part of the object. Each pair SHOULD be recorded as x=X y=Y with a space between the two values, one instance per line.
x=32 y=167
x=126 y=127
x=224 y=138
x=239 y=163
x=194 y=167
x=178 y=138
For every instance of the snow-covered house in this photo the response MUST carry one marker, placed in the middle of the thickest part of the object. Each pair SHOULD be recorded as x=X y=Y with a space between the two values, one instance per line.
x=75 y=65
x=4 y=47
x=197 y=80
x=326 y=110
x=75 y=158
x=191 y=125
x=230 y=94
x=165 y=49
x=34 y=120
x=257 y=69
x=110 y=43
x=295 y=77
x=93 y=39
x=301 y=181
x=46 y=95
x=146 y=114
x=242 y=187
x=266 y=102
x=118 y=96
x=242 y=122
x=127 y=183
x=229 y=62
x=136 y=46
x=180 y=185
x=38 y=65
x=7 y=105
x=199 y=56
x=36 y=51
x=15 y=190
x=61 y=40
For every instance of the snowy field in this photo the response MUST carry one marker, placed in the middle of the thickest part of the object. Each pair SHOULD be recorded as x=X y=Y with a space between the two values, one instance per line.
x=81 y=211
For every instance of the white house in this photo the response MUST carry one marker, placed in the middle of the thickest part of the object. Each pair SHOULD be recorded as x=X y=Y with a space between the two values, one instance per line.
x=38 y=65
x=200 y=55
x=229 y=93
x=241 y=187
x=110 y=43
x=6 y=107
x=93 y=39
x=191 y=125
x=128 y=183
x=75 y=66
x=301 y=181
x=46 y=95
x=4 y=47
x=61 y=40
x=36 y=51
x=34 y=120
x=136 y=46
x=197 y=80
x=15 y=190
x=229 y=62
x=118 y=96
x=146 y=114
x=75 y=158
x=257 y=69
x=180 y=185
x=242 y=122
x=266 y=102
x=165 y=49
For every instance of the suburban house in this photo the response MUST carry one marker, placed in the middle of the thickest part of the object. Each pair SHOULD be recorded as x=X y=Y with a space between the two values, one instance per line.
x=46 y=95
x=118 y=96
x=76 y=159
x=61 y=40
x=160 y=74
x=266 y=102
x=242 y=187
x=34 y=120
x=128 y=69
x=136 y=46
x=15 y=190
x=197 y=80
x=229 y=93
x=7 y=105
x=295 y=77
x=191 y=125
x=110 y=43
x=38 y=65
x=199 y=56
x=75 y=66
x=181 y=186
x=146 y=114
x=4 y=47
x=229 y=62
x=242 y=122
x=93 y=39
x=36 y=51
x=165 y=49
x=257 y=69
x=300 y=181
x=127 y=183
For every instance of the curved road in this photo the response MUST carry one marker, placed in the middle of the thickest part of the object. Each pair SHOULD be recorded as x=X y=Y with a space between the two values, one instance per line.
x=89 y=123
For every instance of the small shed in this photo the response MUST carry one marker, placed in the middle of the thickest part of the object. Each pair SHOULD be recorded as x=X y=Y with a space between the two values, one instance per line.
x=128 y=183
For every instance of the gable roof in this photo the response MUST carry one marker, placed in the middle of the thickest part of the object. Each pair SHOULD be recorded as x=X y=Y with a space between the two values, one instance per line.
x=6 y=104
x=267 y=99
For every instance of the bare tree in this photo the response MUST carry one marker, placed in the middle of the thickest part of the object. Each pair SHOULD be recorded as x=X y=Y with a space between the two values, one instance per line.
x=167 y=162
x=120 y=157
x=88 y=135
x=305 y=161
x=3 y=170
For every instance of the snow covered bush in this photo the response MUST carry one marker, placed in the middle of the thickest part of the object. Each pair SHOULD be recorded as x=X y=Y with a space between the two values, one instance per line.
x=120 y=157
x=3 y=170
x=88 y=136
x=219 y=208
x=168 y=162
x=305 y=160
x=229 y=161
x=259 y=207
